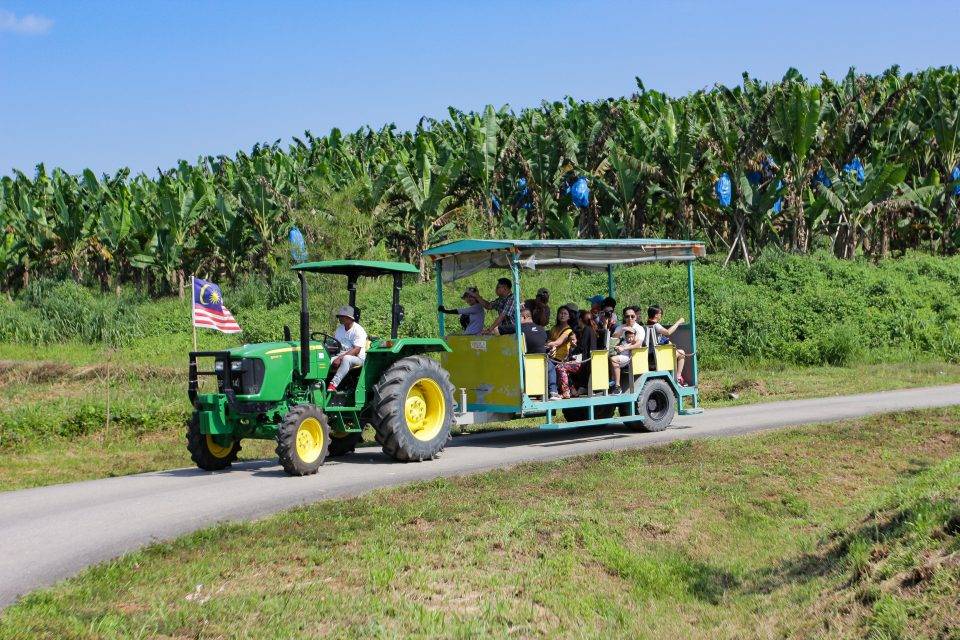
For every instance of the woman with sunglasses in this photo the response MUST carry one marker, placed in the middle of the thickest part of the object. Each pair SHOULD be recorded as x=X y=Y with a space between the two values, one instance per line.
x=620 y=358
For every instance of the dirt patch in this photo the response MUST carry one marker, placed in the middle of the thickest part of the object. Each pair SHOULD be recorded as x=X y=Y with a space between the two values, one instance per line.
x=47 y=371
x=747 y=385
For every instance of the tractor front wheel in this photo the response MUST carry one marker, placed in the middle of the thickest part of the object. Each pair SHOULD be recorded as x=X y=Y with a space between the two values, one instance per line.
x=302 y=440
x=206 y=451
x=413 y=409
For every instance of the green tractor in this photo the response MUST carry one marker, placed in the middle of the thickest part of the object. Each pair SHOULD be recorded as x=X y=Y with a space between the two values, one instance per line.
x=278 y=390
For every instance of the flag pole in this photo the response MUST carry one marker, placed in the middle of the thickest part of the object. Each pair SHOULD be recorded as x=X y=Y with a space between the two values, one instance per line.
x=192 y=322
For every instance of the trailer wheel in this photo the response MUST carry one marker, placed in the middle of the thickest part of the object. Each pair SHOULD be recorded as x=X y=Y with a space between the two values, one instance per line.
x=343 y=443
x=302 y=440
x=657 y=405
x=205 y=451
x=413 y=409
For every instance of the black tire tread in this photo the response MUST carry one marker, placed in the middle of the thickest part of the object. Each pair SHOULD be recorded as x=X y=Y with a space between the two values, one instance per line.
x=390 y=432
x=287 y=440
x=200 y=454
x=343 y=445
x=647 y=425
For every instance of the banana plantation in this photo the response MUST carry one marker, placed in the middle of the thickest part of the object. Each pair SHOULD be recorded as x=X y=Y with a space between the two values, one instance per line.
x=861 y=166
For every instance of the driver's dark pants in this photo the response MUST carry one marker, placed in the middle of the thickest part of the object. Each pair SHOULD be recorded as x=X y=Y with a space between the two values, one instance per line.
x=346 y=363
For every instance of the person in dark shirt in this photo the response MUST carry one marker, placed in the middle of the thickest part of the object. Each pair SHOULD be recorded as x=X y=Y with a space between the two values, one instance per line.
x=586 y=332
x=543 y=297
x=536 y=339
x=534 y=334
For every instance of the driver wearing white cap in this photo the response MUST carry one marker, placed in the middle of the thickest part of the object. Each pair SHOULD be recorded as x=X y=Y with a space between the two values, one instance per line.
x=353 y=345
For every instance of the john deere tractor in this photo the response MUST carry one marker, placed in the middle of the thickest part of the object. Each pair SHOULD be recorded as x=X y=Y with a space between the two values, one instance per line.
x=278 y=390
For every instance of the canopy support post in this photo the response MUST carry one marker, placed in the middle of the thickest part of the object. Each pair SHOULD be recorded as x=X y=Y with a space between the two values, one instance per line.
x=438 y=271
x=693 y=329
x=395 y=308
x=611 y=289
x=515 y=272
x=352 y=291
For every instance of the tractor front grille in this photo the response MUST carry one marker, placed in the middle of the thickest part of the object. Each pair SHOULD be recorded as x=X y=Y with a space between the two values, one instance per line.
x=234 y=376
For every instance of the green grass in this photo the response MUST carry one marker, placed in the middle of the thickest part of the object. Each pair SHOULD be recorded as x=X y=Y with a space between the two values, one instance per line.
x=843 y=530
x=53 y=419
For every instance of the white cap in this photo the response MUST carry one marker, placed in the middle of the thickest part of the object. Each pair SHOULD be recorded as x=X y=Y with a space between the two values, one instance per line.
x=346 y=310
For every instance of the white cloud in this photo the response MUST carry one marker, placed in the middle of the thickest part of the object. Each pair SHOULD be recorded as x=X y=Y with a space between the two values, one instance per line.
x=28 y=25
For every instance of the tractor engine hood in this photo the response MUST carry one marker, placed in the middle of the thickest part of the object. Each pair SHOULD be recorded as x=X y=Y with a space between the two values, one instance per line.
x=266 y=369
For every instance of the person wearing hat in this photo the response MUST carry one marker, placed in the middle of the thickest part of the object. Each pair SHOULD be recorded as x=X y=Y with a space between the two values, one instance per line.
x=596 y=303
x=353 y=345
x=473 y=312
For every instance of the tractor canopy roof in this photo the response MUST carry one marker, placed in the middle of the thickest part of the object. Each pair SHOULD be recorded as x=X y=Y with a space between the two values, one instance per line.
x=356 y=268
x=466 y=257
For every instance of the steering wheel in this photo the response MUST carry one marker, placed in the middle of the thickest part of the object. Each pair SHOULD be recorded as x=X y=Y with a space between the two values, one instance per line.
x=331 y=344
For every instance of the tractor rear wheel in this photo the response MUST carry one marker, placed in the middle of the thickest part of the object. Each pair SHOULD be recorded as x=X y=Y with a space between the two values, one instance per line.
x=413 y=409
x=205 y=451
x=302 y=440
x=343 y=443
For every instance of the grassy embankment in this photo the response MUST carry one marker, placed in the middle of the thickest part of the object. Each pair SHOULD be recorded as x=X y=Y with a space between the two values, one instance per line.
x=842 y=530
x=786 y=327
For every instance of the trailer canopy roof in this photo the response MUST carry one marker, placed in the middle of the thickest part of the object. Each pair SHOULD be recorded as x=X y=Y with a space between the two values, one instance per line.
x=356 y=268
x=465 y=257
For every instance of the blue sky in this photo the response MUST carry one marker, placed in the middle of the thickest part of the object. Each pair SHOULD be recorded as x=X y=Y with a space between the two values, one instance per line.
x=143 y=84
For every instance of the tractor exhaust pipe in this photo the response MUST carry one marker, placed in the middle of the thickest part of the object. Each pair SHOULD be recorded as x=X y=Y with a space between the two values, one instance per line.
x=304 y=328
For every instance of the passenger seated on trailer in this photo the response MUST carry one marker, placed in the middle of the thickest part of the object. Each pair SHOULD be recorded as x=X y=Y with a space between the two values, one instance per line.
x=562 y=342
x=543 y=297
x=503 y=305
x=628 y=336
x=535 y=337
x=540 y=311
x=586 y=332
x=654 y=315
x=471 y=316
x=607 y=318
x=353 y=346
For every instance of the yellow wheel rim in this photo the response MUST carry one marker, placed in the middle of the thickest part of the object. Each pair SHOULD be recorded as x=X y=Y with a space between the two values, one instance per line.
x=425 y=409
x=309 y=440
x=218 y=450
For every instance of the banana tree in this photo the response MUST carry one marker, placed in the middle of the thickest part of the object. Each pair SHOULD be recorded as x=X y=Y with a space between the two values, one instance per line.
x=428 y=211
x=856 y=206
x=181 y=205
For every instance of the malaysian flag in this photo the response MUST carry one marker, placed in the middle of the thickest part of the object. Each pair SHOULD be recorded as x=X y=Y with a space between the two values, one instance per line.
x=208 y=309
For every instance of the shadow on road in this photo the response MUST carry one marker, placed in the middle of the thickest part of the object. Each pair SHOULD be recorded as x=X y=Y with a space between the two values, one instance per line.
x=372 y=455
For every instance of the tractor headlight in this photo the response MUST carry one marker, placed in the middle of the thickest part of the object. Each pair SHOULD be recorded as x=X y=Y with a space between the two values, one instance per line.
x=235 y=365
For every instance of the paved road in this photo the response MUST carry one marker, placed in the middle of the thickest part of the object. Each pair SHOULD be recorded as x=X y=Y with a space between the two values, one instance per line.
x=50 y=533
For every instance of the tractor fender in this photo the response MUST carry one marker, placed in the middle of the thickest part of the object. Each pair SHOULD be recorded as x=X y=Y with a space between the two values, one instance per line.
x=410 y=346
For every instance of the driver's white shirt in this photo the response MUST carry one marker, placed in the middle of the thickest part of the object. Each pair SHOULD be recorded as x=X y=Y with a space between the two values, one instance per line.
x=355 y=337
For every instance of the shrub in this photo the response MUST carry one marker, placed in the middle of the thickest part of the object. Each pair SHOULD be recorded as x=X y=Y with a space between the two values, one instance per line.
x=284 y=289
x=838 y=346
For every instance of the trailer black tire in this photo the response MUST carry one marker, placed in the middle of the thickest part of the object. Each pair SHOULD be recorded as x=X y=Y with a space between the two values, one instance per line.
x=302 y=440
x=343 y=443
x=413 y=409
x=205 y=452
x=657 y=405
